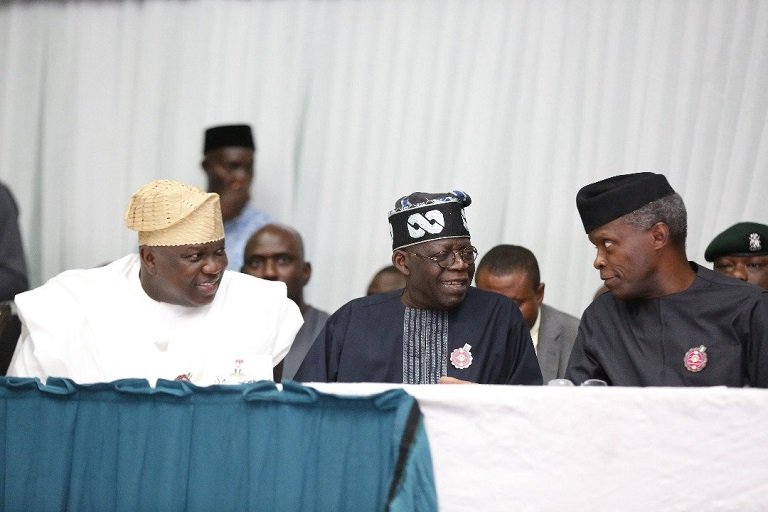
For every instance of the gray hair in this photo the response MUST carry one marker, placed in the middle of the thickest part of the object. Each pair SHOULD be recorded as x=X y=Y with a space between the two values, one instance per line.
x=670 y=210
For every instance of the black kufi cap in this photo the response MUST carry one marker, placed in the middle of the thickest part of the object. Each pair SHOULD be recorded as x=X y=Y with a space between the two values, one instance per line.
x=229 y=135
x=742 y=239
x=421 y=217
x=601 y=202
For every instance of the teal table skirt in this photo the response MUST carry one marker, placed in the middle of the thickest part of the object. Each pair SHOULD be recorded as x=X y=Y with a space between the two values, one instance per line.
x=125 y=446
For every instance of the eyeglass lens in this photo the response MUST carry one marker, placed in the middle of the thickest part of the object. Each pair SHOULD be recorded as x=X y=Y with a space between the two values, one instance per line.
x=447 y=259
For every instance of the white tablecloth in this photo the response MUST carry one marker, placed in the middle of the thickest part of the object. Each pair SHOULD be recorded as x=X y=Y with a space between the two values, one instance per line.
x=592 y=449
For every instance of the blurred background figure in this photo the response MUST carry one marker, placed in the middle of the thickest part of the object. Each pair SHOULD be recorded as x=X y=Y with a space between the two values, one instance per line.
x=13 y=266
x=13 y=275
x=741 y=251
x=276 y=252
x=386 y=280
x=229 y=153
x=513 y=271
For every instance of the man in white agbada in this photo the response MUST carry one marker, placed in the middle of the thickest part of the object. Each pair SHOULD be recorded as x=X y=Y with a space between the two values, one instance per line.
x=169 y=312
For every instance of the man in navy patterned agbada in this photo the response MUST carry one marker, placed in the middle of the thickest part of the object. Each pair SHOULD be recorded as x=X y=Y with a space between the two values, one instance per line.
x=438 y=329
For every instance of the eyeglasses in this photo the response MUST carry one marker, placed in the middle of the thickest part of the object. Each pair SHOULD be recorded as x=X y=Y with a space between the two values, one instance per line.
x=445 y=259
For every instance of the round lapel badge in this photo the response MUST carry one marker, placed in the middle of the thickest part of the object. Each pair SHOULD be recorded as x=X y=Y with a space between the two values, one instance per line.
x=462 y=357
x=696 y=359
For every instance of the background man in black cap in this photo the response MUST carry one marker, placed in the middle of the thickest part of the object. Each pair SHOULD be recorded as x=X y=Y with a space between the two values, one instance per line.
x=666 y=321
x=229 y=153
x=436 y=329
x=741 y=251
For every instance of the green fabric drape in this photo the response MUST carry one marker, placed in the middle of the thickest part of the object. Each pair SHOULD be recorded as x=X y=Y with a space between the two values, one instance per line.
x=125 y=446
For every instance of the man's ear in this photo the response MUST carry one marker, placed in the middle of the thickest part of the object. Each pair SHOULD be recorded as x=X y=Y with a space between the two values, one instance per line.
x=400 y=261
x=207 y=166
x=147 y=257
x=306 y=273
x=660 y=235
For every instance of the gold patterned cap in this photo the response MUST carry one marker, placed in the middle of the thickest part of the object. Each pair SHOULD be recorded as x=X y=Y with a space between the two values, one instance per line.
x=167 y=212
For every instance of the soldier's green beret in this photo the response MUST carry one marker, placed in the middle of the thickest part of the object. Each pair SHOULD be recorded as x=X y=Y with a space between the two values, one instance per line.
x=742 y=239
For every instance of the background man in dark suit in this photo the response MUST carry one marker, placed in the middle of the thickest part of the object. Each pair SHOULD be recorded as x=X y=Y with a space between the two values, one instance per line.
x=513 y=271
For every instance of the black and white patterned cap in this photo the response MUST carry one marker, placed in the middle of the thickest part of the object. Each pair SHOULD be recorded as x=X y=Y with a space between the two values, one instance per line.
x=422 y=216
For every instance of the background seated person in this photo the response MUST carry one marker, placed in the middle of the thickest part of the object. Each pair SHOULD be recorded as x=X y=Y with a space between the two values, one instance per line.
x=438 y=328
x=385 y=280
x=741 y=251
x=276 y=253
x=513 y=271
x=170 y=311
x=13 y=275
x=13 y=265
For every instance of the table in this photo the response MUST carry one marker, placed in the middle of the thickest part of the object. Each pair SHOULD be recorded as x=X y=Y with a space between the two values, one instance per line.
x=592 y=448
x=529 y=448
